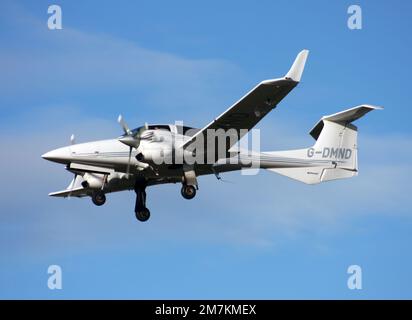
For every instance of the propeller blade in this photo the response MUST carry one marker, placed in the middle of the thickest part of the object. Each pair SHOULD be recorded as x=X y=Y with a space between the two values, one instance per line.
x=132 y=140
x=124 y=125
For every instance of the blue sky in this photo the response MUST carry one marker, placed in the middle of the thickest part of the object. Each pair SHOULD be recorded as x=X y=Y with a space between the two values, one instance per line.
x=261 y=236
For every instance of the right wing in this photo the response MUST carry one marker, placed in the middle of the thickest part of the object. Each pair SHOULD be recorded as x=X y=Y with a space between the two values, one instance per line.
x=76 y=192
x=74 y=189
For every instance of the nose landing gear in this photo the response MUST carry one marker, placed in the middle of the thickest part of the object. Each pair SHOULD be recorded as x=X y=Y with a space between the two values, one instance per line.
x=143 y=215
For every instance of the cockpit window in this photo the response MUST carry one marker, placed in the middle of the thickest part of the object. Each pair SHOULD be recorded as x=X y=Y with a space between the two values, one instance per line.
x=159 y=127
x=151 y=127
x=135 y=130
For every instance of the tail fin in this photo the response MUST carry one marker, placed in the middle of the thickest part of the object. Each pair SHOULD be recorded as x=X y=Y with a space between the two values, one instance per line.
x=335 y=153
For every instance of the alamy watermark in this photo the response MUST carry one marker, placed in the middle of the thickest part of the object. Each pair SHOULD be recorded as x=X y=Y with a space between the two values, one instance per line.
x=355 y=19
x=218 y=147
x=55 y=279
x=355 y=279
x=54 y=22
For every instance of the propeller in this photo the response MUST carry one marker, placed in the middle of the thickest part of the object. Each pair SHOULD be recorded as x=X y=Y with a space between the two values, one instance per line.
x=124 y=125
x=132 y=140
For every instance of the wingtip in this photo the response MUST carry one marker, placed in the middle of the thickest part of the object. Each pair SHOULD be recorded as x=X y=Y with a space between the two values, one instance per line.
x=296 y=71
x=373 y=107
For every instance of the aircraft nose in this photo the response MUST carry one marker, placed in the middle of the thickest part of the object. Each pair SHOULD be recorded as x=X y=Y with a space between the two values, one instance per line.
x=61 y=155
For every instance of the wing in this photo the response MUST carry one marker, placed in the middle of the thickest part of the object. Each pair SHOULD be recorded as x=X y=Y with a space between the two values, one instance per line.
x=249 y=110
x=74 y=189
x=76 y=192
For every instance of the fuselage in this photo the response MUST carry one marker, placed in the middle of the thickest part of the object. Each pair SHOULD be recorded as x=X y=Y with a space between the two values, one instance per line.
x=158 y=148
x=157 y=141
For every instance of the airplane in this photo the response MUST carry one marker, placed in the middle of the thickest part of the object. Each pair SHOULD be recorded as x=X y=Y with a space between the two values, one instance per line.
x=155 y=154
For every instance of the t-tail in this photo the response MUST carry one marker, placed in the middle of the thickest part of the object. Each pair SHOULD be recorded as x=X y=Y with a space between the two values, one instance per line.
x=333 y=156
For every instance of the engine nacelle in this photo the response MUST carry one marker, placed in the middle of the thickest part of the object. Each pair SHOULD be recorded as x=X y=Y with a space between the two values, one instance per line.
x=92 y=180
x=116 y=177
x=155 y=155
x=95 y=180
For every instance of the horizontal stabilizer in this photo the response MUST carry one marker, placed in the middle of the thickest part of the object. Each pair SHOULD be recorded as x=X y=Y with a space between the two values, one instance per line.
x=344 y=117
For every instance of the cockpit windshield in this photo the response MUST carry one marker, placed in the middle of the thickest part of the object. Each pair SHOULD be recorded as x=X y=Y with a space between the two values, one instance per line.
x=184 y=130
x=152 y=127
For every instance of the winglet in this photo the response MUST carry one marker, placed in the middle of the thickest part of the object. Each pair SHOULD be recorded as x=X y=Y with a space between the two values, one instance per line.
x=295 y=72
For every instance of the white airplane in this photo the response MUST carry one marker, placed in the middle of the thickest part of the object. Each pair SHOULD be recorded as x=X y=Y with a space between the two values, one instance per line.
x=157 y=154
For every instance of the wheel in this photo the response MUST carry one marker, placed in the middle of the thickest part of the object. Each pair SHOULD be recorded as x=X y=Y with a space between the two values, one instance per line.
x=188 y=192
x=98 y=198
x=143 y=215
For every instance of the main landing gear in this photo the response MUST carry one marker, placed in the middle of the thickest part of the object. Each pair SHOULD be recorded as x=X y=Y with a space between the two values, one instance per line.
x=98 y=197
x=142 y=213
x=188 y=192
x=189 y=183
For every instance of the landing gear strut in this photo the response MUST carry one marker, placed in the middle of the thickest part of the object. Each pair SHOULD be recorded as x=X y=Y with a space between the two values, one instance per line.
x=188 y=192
x=189 y=183
x=98 y=198
x=142 y=213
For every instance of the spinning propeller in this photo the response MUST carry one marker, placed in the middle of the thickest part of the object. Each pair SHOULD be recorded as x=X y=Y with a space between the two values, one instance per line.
x=130 y=138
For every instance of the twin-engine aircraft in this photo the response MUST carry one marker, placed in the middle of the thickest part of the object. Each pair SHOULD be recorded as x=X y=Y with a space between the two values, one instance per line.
x=171 y=153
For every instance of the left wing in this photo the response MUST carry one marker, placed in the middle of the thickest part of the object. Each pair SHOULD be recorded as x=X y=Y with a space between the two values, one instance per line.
x=249 y=110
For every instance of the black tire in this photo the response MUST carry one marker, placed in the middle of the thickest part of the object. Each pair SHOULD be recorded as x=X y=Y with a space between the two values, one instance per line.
x=98 y=198
x=188 y=192
x=143 y=215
